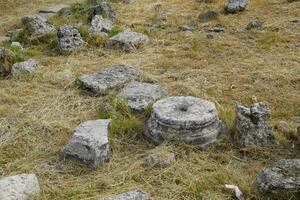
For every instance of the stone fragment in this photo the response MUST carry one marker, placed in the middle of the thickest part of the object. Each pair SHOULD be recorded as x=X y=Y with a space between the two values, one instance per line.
x=159 y=157
x=26 y=67
x=252 y=125
x=89 y=143
x=127 y=41
x=208 y=16
x=100 y=26
x=113 y=77
x=104 y=9
x=139 y=96
x=283 y=176
x=19 y=187
x=6 y=61
x=234 y=6
x=192 y=120
x=217 y=28
x=52 y=10
x=131 y=195
x=68 y=39
x=256 y=24
x=190 y=26
x=36 y=25
x=283 y=127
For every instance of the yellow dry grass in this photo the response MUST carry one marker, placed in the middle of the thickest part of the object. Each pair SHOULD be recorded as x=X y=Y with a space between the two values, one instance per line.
x=42 y=111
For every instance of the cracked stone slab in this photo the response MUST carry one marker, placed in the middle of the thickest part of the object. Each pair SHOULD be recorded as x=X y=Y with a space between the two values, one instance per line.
x=139 y=96
x=113 y=77
x=89 y=143
x=26 y=67
x=132 y=195
x=19 y=187
x=190 y=119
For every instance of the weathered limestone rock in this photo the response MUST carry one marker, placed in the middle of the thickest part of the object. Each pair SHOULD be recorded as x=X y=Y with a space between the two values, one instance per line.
x=104 y=9
x=252 y=125
x=127 y=41
x=234 y=6
x=283 y=176
x=255 y=24
x=52 y=10
x=113 y=77
x=6 y=61
x=140 y=95
x=159 y=157
x=69 y=39
x=192 y=120
x=26 y=67
x=132 y=195
x=100 y=26
x=19 y=187
x=36 y=25
x=208 y=16
x=89 y=143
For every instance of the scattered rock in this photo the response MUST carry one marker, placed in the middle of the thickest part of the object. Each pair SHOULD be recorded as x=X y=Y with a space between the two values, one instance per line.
x=283 y=176
x=252 y=125
x=192 y=120
x=89 y=143
x=234 y=6
x=132 y=195
x=69 y=39
x=19 y=187
x=104 y=9
x=208 y=16
x=36 y=25
x=6 y=61
x=52 y=10
x=26 y=67
x=283 y=127
x=189 y=27
x=127 y=41
x=217 y=28
x=160 y=158
x=100 y=26
x=256 y=24
x=113 y=77
x=139 y=96
x=105 y=107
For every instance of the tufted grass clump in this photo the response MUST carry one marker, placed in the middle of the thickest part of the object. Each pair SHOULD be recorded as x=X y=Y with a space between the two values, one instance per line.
x=114 y=31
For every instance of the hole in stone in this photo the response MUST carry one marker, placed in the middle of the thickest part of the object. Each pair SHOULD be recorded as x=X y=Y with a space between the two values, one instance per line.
x=183 y=107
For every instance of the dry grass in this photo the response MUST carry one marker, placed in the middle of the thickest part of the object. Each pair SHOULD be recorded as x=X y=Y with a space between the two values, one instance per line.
x=41 y=111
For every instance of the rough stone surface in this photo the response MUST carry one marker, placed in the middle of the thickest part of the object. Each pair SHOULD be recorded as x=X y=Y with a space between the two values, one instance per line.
x=140 y=95
x=113 y=77
x=68 y=39
x=37 y=25
x=234 y=6
x=100 y=26
x=252 y=125
x=159 y=160
x=283 y=176
x=192 y=120
x=127 y=41
x=132 y=195
x=52 y=10
x=89 y=143
x=217 y=28
x=26 y=67
x=255 y=24
x=19 y=187
x=6 y=61
x=208 y=15
x=104 y=9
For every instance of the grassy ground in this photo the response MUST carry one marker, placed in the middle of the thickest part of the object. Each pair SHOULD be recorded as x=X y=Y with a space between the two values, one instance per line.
x=40 y=112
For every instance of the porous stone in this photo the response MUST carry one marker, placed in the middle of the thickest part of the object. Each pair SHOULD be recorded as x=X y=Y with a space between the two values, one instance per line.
x=132 y=195
x=139 y=96
x=283 y=176
x=127 y=41
x=68 y=39
x=252 y=125
x=36 y=25
x=104 y=9
x=6 y=61
x=26 y=67
x=100 y=26
x=234 y=6
x=89 y=143
x=113 y=77
x=19 y=187
x=208 y=16
x=192 y=120
x=255 y=24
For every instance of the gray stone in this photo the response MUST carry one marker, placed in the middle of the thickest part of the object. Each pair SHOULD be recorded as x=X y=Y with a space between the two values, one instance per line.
x=6 y=61
x=54 y=8
x=283 y=127
x=139 y=96
x=208 y=16
x=192 y=120
x=127 y=41
x=89 y=143
x=283 y=176
x=100 y=26
x=132 y=195
x=36 y=25
x=104 y=9
x=17 y=45
x=19 y=187
x=113 y=77
x=159 y=160
x=234 y=6
x=252 y=125
x=256 y=24
x=26 y=67
x=217 y=28
x=68 y=39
